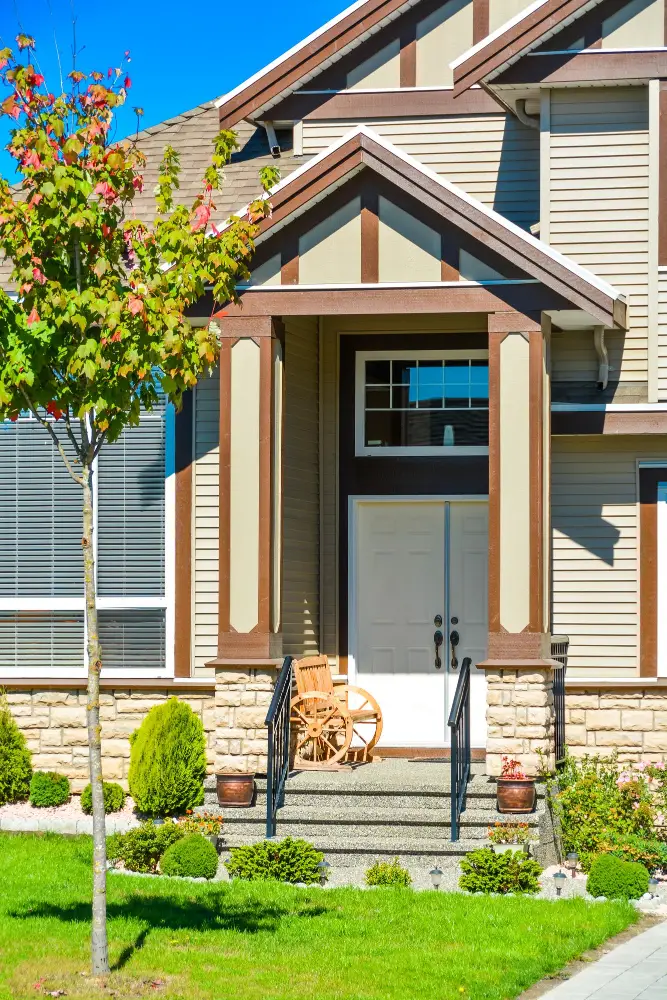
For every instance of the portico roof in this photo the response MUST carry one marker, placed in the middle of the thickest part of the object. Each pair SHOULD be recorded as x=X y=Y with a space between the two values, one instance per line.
x=363 y=149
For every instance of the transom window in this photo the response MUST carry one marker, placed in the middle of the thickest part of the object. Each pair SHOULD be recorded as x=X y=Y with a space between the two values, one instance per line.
x=424 y=402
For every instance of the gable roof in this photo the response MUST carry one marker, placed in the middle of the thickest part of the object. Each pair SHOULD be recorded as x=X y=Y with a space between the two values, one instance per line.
x=364 y=148
x=515 y=38
x=296 y=66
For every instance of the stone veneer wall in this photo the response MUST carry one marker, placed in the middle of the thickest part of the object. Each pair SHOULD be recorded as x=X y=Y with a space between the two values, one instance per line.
x=53 y=722
x=520 y=718
x=242 y=699
x=631 y=720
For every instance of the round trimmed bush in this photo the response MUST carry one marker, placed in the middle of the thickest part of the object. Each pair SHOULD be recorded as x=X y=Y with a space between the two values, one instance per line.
x=47 y=788
x=168 y=760
x=114 y=797
x=193 y=856
x=388 y=873
x=15 y=759
x=289 y=860
x=141 y=848
x=616 y=879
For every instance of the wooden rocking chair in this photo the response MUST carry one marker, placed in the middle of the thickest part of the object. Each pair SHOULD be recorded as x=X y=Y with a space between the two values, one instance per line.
x=332 y=723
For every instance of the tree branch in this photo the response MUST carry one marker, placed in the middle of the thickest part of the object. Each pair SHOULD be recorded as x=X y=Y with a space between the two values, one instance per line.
x=54 y=437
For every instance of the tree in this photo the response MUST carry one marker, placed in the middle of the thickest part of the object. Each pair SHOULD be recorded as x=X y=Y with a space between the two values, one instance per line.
x=99 y=330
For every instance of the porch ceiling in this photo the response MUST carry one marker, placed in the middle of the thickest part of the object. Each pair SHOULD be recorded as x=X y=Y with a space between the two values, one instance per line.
x=557 y=283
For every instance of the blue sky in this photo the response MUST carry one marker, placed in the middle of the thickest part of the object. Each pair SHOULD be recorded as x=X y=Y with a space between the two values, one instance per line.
x=181 y=53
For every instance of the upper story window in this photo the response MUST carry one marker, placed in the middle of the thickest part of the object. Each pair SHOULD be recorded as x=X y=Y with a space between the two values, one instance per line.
x=422 y=403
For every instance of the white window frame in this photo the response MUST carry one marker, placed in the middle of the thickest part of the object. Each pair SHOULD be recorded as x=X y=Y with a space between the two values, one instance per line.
x=361 y=448
x=78 y=604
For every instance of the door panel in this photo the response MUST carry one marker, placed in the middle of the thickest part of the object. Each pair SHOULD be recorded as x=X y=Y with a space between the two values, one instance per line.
x=468 y=601
x=400 y=582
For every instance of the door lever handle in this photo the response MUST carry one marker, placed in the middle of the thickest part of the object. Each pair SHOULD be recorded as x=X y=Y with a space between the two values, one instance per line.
x=454 y=639
x=438 y=639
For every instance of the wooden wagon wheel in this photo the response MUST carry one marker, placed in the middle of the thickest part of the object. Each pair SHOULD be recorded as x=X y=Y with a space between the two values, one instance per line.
x=322 y=731
x=366 y=717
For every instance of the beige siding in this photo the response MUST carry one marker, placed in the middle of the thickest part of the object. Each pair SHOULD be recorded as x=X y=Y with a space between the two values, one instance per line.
x=599 y=202
x=662 y=334
x=502 y=10
x=206 y=512
x=493 y=157
x=301 y=512
x=442 y=36
x=637 y=25
x=595 y=549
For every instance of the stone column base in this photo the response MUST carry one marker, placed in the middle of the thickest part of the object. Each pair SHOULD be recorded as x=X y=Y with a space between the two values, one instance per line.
x=242 y=697
x=520 y=715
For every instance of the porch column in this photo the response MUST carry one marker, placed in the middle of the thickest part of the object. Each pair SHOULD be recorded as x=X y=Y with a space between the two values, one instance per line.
x=518 y=669
x=249 y=636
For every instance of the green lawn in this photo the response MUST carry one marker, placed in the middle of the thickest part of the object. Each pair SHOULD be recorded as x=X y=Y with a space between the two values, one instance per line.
x=274 y=942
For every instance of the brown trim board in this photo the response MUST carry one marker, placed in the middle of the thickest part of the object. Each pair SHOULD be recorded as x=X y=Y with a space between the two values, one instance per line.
x=362 y=150
x=356 y=106
x=562 y=68
x=608 y=422
x=511 y=43
x=649 y=477
x=183 y=557
x=480 y=20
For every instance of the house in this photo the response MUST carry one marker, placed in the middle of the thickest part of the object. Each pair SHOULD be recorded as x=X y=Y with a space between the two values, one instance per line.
x=441 y=406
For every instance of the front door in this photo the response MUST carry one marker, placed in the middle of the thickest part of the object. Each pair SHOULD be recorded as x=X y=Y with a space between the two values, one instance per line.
x=415 y=563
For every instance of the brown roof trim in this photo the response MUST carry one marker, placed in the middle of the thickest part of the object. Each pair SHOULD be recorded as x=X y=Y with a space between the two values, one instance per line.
x=355 y=107
x=510 y=44
x=307 y=58
x=608 y=422
x=362 y=150
x=585 y=67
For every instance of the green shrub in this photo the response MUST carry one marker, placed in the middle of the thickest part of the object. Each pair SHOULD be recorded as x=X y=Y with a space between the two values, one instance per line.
x=140 y=849
x=486 y=871
x=616 y=879
x=287 y=860
x=114 y=797
x=15 y=759
x=648 y=851
x=48 y=789
x=593 y=802
x=388 y=873
x=194 y=856
x=168 y=760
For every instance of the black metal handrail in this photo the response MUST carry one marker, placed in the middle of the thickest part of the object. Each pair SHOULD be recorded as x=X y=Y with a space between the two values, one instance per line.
x=277 y=723
x=459 y=725
x=559 y=648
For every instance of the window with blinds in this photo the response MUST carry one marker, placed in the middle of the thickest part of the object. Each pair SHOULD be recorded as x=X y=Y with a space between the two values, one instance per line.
x=41 y=576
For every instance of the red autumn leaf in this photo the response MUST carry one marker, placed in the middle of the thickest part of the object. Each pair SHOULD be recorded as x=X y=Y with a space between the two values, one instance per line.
x=37 y=80
x=39 y=276
x=14 y=417
x=138 y=184
x=106 y=230
x=31 y=159
x=54 y=410
x=33 y=317
x=201 y=216
x=105 y=190
x=135 y=305
x=127 y=83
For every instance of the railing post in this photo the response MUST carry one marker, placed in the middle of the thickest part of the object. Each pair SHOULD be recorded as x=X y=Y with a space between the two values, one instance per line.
x=278 y=726
x=455 y=786
x=459 y=725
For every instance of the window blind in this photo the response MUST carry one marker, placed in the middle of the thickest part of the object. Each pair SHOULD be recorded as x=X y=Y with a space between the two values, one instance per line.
x=40 y=516
x=37 y=640
x=131 y=513
x=132 y=639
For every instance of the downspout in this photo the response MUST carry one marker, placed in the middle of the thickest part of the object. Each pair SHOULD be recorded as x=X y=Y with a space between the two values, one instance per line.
x=274 y=145
x=601 y=351
x=532 y=121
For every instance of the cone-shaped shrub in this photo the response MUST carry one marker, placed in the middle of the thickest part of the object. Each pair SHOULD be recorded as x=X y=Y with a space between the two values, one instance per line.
x=15 y=760
x=168 y=760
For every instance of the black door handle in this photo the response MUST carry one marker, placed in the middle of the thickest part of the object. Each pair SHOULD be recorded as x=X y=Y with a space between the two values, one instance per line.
x=454 y=639
x=438 y=639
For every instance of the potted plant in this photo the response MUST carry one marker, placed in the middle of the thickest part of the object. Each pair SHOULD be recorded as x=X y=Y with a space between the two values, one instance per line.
x=515 y=792
x=235 y=790
x=512 y=837
x=206 y=823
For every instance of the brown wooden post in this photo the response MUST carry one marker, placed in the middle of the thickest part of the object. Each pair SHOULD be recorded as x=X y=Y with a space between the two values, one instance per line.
x=518 y=668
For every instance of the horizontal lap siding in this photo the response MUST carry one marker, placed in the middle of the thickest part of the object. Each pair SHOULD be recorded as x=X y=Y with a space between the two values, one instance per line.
x=595 y=549
x=493 y=157
x=206 y=504
x=301 y=497
x=599 y=209
x=662 y=333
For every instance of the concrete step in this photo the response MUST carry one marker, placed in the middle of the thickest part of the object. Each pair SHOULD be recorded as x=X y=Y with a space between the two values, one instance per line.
x=324 y=815
x=344 y=852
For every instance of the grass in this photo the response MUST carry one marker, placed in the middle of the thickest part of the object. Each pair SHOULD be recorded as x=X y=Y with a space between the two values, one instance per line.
x=250 y=941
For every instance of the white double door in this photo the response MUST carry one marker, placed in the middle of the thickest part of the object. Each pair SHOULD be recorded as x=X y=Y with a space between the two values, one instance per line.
x=420 y=566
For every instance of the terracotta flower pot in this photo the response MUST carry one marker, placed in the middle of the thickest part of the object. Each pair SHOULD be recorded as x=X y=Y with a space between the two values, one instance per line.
x=235 y=790
x=515 y=795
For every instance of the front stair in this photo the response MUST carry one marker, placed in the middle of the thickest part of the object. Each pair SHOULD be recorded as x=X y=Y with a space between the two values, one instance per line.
x=379 y=811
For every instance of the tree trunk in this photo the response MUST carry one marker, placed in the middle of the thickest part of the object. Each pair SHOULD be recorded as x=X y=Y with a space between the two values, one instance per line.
x=99 y=946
